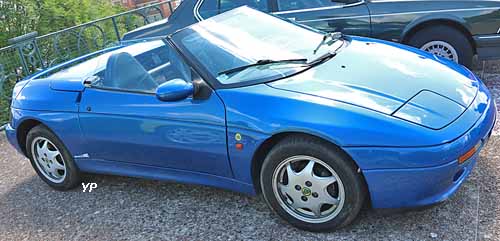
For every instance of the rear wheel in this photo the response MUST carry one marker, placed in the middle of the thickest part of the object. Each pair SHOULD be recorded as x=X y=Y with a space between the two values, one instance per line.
x=50 y=159
x=311 y=184
x=446 y=42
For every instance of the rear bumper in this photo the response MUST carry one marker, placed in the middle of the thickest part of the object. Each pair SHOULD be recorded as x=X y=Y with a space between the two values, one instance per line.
x=488 y=46
x=412 y=187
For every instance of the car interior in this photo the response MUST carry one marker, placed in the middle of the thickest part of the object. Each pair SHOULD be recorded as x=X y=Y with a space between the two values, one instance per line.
x=123 y=71
x=144 y=72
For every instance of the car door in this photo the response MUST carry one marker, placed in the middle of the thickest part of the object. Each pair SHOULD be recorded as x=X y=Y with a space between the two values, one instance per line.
x=124 y=121
x=347 y=16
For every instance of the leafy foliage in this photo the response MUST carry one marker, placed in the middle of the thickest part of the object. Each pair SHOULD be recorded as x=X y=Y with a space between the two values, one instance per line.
x=18 y=17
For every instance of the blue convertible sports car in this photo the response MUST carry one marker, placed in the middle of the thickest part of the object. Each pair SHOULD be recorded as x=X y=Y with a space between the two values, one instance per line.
x=318 y=123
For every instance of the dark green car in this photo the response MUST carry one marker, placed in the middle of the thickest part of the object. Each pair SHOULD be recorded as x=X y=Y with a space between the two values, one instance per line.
x=456 y=30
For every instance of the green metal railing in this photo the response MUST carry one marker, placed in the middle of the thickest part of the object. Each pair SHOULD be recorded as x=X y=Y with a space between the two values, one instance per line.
x=31 y=53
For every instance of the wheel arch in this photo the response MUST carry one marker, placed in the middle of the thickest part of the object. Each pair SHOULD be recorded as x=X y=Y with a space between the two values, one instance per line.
x=449 y=21
x=266 y=146
x=23 y=129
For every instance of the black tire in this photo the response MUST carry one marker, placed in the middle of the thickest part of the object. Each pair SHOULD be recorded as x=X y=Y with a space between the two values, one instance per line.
x=342 y=164
x=72 y=175
x=447 y=34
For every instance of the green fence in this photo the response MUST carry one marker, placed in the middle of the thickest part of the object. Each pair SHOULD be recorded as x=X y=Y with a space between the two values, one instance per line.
x=30 y=53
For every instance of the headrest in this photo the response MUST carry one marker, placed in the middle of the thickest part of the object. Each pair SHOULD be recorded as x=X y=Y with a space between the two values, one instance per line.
x=123 y=71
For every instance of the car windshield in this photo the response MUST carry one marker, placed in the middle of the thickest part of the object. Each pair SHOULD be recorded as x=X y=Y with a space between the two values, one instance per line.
x=260 y=43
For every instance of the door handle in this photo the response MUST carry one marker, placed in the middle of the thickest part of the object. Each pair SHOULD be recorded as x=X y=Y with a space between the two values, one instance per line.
x=293 y=19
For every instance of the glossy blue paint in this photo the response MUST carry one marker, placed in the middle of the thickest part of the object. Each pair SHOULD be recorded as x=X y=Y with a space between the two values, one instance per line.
x=38 y=95
x=10 y=133
x=64 y=124
x=71 y=85
x=174 y=90
x=404 y=117
x=398 y=78
x=139 y=128
x=477 y=123
x=416 y=186
x=425 y=185
x=162 y=173
x=430 y=109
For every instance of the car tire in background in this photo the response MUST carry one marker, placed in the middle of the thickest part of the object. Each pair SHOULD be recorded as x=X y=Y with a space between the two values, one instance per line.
x=312 y=184
x=50 y=159
x=444 y=41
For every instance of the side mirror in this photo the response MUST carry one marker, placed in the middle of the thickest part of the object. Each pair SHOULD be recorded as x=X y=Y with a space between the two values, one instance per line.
x=174 y=90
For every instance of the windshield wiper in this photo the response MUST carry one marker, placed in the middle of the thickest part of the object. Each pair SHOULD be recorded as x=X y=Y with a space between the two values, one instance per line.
x=321 y=59
x=333 y=38
x=262 y=62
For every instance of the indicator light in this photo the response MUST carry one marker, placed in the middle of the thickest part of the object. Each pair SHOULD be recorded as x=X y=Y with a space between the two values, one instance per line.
x=463 y=158
x=239 y=146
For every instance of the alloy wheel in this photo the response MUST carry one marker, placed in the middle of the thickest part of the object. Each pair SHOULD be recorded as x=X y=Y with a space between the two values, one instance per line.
x=48 y=159
x=308 y=189
x=441 y=49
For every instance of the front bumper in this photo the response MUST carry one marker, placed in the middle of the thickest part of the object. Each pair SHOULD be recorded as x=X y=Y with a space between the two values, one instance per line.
x=412 y=187
x=12 y=137
x=488 y=46
x=403 y=188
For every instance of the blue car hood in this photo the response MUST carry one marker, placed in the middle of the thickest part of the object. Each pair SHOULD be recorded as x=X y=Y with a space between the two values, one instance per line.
x=383 y=76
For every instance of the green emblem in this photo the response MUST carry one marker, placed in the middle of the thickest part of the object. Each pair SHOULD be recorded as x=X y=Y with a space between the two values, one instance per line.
x=237 y=136
x=306 y=191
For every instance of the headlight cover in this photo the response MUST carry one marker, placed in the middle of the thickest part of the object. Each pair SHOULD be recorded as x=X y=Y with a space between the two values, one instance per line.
x=430 y=109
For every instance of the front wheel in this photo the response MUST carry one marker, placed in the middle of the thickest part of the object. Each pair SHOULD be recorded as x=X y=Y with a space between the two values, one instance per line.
x=311 y=184
x=50 y=159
